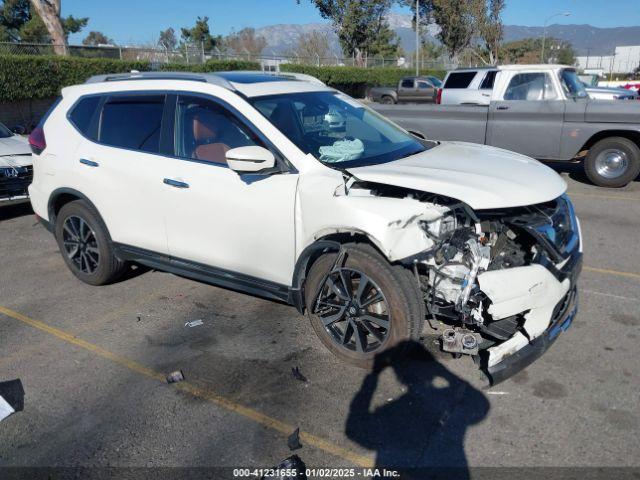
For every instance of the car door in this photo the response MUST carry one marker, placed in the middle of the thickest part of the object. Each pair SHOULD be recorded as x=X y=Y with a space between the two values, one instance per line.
x=407 y=90
x=426 y=91
x=118 y=165
x=216 y=217
x=529 y=117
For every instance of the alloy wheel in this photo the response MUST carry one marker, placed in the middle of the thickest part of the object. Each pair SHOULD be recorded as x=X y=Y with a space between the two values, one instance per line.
x=80 y=244
x=354 y=310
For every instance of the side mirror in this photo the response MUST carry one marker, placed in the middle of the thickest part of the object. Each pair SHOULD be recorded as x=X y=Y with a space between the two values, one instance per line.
x=250 y=159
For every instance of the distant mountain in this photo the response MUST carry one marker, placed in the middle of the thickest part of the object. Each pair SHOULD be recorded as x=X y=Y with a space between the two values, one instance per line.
x=281 y=39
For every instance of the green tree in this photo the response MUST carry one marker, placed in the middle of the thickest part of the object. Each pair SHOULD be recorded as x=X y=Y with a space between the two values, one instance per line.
x=97 y=38
x=527 y=51
x=168 y=39
x=487 y=15
x=21 y=22
x=455 y=18
x=200 y=35
x=360 y=25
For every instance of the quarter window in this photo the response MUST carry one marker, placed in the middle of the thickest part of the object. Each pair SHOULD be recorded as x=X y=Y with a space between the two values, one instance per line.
x=459 y=79
x=531 y=87
x=132 y=122
x=82 y=115
x=206 y=131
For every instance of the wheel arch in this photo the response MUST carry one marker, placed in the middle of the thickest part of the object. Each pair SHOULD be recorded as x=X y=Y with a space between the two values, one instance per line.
x=60 y=197
x=632 y=135
x=327 y=243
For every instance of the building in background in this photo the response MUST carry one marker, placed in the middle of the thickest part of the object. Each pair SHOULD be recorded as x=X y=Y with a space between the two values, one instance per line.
x=624 y=60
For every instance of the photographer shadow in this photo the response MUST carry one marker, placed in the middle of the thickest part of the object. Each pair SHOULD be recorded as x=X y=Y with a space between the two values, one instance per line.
x=421 y=433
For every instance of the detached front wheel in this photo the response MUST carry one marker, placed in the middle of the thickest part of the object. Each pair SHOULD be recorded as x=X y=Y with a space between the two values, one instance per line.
x=359 y=305
x=613 y=162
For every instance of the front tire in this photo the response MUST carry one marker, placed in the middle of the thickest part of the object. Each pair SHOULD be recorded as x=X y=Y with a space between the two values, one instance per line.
x=364 y=306
x=613 y=162
x=85 y=244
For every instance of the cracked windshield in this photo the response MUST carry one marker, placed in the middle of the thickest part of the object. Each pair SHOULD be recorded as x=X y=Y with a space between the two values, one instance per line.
x=336 y=129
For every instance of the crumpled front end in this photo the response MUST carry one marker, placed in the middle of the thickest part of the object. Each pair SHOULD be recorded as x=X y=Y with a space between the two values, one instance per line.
x=498 y=285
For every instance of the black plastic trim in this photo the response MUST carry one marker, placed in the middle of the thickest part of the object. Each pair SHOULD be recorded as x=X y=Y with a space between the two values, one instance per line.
x=205 y=273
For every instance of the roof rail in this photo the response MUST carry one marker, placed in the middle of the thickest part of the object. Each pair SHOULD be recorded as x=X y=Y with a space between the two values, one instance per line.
x=136 y=75
x=299 y=76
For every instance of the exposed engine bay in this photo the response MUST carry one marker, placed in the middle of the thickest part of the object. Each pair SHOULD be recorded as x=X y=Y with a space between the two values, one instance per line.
x=492 y=281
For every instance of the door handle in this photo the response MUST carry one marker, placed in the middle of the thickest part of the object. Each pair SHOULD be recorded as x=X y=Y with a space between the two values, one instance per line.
x=175 y=183
x=89 y=163
x=502 y=107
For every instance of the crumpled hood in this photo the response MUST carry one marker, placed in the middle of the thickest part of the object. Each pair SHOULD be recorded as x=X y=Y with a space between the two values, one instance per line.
x=15 y=145
x=482 y=177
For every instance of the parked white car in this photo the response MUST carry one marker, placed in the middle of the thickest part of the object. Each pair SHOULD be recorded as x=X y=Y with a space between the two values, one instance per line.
x=15 y=166
x=242 y=180
x=467 y=86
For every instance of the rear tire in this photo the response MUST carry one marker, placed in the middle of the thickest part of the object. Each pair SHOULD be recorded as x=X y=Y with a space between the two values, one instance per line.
x=85 y=244
x=387 y=100
x=401 y=305
x=613 y=162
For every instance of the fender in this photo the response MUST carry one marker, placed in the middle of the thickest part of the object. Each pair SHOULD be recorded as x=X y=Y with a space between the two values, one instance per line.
x=69 y=191
x=306 y=258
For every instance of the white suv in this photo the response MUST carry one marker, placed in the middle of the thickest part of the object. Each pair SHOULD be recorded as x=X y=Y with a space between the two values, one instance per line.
x=281 y=187
x=467 y=86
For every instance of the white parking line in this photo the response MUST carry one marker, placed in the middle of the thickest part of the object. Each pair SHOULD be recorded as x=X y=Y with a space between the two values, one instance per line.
x=620 y=297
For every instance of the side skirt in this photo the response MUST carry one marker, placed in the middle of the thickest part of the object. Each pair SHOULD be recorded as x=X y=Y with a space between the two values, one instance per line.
x=205 y=273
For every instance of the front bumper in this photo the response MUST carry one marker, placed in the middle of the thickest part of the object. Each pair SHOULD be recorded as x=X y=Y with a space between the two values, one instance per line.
x=528 y=354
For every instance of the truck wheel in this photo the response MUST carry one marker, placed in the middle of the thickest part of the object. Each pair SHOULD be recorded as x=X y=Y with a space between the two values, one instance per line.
x=387 y=100
x=363 y=305
x=85 y=244
x=613 y=162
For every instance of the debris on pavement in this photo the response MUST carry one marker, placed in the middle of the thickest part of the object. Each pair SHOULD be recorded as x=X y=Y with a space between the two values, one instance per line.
x=293 y=442
x=194 y=323
x=292 y=464
x=295 y=371
x=175 y=377
x=11 y=398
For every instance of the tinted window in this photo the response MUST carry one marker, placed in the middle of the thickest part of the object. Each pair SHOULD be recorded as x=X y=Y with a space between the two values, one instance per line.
x=206 y=131
x=530 y=87
x=407 y=83
x=5 y=132
x=82 y=114
x=487 y=82
x=459 y=79
x=132 y=122
x=423 y=85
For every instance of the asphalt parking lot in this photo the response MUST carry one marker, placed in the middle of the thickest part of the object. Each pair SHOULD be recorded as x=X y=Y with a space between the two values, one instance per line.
x=93 y=361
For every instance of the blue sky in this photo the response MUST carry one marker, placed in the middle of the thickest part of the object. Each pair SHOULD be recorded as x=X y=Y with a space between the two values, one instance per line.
x=135 y=21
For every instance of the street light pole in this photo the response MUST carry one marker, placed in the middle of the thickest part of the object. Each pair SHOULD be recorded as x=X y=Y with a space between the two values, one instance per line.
x=544 y=31
x=417 y=38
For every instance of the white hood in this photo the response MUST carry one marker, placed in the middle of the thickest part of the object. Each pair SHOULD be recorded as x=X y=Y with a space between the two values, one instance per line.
x=482 y=177
x=15 y=151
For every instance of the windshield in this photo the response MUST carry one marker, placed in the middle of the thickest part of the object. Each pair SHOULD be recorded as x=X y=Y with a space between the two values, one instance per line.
x=336 y=129
x=436 y=81
x=572 y=85
x=5 y=132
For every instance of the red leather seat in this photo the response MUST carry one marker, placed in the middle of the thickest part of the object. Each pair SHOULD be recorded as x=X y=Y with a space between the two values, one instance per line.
x=207 y=127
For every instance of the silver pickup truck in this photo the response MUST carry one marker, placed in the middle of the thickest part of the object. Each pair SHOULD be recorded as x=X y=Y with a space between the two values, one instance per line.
x=541 y=111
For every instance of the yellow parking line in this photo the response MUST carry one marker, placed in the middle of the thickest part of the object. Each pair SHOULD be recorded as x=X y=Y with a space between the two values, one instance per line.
x=212 y=397
x=608 y=197
x=606 y=271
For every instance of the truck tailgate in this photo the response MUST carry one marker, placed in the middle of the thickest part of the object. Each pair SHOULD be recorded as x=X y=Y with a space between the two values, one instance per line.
x=466 y=123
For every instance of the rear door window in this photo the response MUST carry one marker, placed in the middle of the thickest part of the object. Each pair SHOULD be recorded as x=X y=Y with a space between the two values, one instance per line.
x=459 y=79
x=132 y=122
x=407 y=83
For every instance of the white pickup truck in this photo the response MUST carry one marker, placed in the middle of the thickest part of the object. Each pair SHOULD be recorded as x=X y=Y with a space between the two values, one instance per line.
x=541 y=111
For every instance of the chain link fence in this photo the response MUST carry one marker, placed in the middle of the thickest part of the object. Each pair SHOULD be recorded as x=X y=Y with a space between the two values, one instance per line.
x=194 y=54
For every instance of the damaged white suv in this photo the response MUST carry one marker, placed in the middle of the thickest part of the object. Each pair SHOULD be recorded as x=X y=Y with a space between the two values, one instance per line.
x=279 y=186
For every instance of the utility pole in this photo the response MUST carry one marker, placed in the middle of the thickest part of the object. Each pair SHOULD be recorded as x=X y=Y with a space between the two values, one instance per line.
x=417 y=38
x=544 y=31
